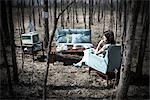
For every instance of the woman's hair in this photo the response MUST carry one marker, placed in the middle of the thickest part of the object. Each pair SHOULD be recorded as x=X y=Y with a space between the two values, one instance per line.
x=110 y=37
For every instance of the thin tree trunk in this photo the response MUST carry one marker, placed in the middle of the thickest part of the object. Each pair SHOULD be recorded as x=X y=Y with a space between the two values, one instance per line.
x=68 y=12
x=7 y=66
x=76 y=11
x=84 y=13
x=111 y=15
x=99 y=10
x=20 y=31
x=127 y=55
x=39 y=13
x=73 y=16
x=62 y=17
x=90 y=14
x=120 y=14
x=50 y=42
x=125 y=23
x=33 y=12
x=4 y=36
x=46 y=26
x=117 y=17
x=144 y=39
x=30 y=15
x=12 y=41
x=104 y=18
x=22 y=13
x=50 y=10
x=102 y=12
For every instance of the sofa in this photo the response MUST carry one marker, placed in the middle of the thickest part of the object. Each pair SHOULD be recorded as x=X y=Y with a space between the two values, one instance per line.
x=73 y=37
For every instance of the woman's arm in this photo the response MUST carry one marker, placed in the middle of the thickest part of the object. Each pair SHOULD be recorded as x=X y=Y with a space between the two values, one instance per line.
x=101 y=50
x=99 y=44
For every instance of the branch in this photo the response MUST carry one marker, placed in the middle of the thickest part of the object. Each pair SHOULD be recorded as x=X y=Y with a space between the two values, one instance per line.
x=65 y=9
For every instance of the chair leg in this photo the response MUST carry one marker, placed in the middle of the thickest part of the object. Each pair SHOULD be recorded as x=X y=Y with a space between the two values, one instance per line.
x=90 y=70
x=107 y=79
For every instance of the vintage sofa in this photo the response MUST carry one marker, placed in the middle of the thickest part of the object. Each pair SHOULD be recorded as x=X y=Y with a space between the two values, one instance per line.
x=73 y=37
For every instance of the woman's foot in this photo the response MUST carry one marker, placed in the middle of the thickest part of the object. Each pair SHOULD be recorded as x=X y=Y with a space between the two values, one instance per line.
x=77 y=64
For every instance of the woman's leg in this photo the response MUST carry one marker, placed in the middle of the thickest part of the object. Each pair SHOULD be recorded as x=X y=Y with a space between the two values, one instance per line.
x=84 y=59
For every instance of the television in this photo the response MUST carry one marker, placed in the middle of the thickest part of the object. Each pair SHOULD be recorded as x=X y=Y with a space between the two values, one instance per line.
x=30 y=38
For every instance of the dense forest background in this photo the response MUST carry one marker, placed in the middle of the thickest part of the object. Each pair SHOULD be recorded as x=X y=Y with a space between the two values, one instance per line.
x=22 y=78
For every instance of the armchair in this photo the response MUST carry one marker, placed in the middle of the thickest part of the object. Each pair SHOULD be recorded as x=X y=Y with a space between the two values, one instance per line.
x=108 y=63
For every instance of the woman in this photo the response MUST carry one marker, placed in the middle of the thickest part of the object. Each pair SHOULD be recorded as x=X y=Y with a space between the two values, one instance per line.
x=107 y=39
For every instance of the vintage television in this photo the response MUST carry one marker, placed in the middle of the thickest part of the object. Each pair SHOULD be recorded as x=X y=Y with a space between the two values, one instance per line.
x=30 y=38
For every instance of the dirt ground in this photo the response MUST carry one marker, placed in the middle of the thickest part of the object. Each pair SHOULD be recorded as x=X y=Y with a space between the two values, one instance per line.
x=65 y=82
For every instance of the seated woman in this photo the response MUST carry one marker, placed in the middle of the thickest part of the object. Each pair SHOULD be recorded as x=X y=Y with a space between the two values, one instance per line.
x=107 y=39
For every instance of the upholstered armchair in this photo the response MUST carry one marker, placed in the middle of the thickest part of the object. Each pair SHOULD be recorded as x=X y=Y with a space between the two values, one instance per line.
x=108 y=63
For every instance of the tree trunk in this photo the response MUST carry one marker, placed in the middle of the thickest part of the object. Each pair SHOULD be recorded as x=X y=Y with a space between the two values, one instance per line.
x=4 y=36
x=120 y=14
x=30 y=15
x=39 y=13
x=22 y=13
x=127 y=55
x=20 y=31
x=116 y=18
x=99 y=9
x=144 y=39
x=111 y=15
x=76 y=11
x=50 y=42
x=12 y=41
x=73 y=16
x=68 y=12
x=62 y=17
x=84 y=13
x=104 y=18
x=90 y=14
x=125 y=24
x=33 y=12
x=46 y=37
x=50 y=10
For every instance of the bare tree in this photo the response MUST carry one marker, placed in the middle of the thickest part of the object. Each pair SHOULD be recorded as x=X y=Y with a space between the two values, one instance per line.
x=144 y=38
x=50 y=10
x=127 y=54
x=20 y=31
x=68 y=12
x=116 y=17
x=104 y=17
x=84 y=12
x=12 y=42
x=56 y=18
x=62 y=16
x=39 y=12
x=22 y=13
x=76 y=10
x=30 y=15
x=5 y=37
x=99 y=10
x=33 y=12
x=46 y=26
x=73 y=16
x=120 y=13
x=111 y=15
x=90 y=13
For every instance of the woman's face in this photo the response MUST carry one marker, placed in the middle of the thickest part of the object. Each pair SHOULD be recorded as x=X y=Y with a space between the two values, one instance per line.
x=104 y=38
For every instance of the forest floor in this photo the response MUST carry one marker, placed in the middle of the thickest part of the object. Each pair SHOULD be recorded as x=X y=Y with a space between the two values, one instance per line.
x=66 y=82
